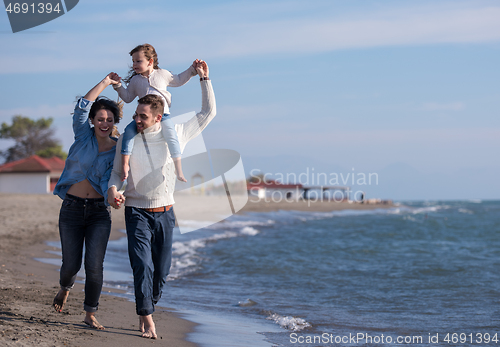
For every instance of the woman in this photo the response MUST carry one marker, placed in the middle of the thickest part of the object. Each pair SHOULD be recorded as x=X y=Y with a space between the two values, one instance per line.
x=85 y=217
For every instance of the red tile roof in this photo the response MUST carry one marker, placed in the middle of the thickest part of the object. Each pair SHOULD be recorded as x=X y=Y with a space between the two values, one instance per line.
x=34 y=164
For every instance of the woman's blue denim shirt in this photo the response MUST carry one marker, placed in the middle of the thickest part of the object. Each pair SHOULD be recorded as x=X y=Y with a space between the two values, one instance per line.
x=84 y=160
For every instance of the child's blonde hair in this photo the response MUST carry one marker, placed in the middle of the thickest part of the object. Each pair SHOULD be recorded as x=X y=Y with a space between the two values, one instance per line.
x=149 y=53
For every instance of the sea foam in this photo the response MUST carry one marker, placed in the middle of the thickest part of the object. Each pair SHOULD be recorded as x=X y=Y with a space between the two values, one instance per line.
x=290 y=323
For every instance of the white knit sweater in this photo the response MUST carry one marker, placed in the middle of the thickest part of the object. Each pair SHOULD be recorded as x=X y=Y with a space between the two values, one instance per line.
x=151 y=180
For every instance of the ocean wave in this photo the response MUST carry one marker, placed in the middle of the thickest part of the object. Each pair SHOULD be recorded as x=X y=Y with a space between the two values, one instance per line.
x=249 y=231
x=430 y=209
x=304 y=216
x=185 y=254
x=290 y=323
x=233 y=224
x=247 y=303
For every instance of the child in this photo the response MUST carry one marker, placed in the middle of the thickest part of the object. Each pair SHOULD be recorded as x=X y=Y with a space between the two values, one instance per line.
x=145 y=77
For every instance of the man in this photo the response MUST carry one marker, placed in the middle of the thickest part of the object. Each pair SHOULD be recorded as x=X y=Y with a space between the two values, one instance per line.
x=149 y=196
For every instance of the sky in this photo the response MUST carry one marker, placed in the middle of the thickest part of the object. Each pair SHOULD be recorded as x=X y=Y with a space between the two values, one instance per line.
x=406 y=90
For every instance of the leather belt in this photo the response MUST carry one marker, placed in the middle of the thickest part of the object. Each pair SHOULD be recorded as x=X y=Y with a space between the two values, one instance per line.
x=157 y=209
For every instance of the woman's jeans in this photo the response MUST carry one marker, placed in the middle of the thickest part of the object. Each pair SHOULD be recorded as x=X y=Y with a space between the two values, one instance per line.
x=84 y=221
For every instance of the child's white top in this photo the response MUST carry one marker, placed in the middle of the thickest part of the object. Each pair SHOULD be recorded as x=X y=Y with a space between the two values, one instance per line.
x=155 y=83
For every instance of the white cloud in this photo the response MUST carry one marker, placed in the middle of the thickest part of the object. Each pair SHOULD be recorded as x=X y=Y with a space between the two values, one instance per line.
x=412 y=26
x=229 y=31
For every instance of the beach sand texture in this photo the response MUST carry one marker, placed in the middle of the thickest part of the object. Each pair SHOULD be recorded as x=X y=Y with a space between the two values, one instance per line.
x=27 y=286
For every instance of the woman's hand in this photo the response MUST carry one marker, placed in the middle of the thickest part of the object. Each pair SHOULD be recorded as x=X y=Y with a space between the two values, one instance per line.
x=115 y=198
x=112 y=78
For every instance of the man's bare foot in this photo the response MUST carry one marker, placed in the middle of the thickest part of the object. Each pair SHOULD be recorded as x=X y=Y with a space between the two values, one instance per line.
x=60 y=300
x=92 y=322
x=141 y=324
x=149 y=327
x=181 y=178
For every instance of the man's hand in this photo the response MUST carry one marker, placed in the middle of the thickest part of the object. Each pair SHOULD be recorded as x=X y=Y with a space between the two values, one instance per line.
x=202 y=69
x=115 y=198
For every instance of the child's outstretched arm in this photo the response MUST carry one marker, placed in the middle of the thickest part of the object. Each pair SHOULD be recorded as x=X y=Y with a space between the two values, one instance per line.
x=126 y=94
x=182 y=78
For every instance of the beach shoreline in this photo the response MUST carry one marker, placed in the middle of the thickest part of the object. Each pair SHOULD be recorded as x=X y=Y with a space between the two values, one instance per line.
x=27 y=286
x=267 y=205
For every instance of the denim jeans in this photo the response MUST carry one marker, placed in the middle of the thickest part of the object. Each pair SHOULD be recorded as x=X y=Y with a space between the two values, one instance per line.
x=84 y=222
x=167 y=130
x=149 y=237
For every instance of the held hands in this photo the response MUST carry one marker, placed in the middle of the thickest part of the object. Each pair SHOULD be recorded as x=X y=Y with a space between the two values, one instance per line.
x=115 y=198
x=112 y=78
x=201 y=68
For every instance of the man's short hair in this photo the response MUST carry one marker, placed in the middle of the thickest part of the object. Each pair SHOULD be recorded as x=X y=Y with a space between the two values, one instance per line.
x=155 y=103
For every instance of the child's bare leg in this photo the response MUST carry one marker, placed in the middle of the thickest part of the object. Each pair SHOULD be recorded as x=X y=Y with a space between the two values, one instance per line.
x=125 y=166
x=178 y=169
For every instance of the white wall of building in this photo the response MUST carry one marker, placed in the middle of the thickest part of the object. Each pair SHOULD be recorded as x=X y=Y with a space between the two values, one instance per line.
x=26 y=183
x=276 y=194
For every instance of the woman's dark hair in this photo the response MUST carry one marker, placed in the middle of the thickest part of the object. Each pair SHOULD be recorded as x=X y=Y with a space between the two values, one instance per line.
x=103 y=103
x=149 y=53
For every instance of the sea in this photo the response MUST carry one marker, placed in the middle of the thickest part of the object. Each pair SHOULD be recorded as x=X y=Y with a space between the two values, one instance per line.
x=421 y=273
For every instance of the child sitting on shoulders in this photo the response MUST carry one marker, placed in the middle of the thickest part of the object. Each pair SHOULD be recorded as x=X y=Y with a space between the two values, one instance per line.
x=145 y=77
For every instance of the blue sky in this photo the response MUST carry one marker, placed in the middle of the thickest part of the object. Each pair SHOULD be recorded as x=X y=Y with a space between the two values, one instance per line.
x=406 y=89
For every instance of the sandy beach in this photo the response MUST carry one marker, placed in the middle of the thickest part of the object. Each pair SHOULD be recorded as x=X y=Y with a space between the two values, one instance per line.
x=27 y=286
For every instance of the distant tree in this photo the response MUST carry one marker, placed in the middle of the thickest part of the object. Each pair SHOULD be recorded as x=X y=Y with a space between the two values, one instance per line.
x=55 y=151
x=256 y=178
x=31 y=137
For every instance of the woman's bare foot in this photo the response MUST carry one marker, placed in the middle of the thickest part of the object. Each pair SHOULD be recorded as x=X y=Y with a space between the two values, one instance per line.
x=141 y=324
x=60 y=300
x=149 y=327
x=92 y=322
